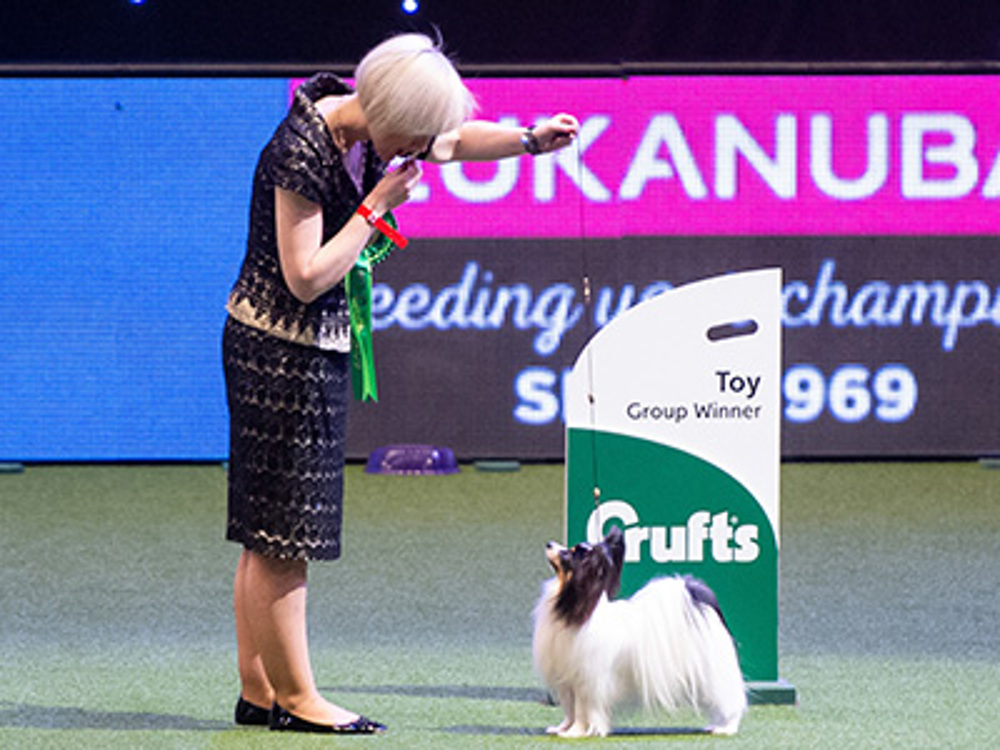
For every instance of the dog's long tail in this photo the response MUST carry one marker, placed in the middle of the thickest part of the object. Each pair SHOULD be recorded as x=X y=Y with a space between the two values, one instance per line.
x=700 y=592
x=685 y=652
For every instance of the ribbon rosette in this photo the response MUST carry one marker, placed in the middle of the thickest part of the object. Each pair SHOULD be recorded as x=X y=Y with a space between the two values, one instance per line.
x=359 y=300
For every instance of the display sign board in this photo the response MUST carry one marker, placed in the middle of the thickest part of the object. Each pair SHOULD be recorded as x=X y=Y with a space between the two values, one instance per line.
x=673 y=417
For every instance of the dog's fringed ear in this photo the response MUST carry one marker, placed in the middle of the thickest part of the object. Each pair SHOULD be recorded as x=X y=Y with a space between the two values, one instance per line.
x=614 y=543
x=582 y=589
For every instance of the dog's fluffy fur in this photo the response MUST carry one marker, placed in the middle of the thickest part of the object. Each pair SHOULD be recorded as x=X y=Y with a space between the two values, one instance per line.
x=667 y=647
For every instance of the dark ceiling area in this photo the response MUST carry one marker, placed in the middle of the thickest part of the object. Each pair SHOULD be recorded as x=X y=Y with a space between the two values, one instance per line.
x=514 y=33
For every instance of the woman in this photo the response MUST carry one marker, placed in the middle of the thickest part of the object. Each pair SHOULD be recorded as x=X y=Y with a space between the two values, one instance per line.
x=320 y=184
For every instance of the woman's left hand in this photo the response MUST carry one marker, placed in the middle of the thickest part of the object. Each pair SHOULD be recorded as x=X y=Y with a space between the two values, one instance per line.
x=556 y=132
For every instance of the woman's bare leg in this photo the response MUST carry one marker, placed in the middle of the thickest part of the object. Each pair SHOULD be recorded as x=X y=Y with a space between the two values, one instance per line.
x=254 y=685
x=274 y=602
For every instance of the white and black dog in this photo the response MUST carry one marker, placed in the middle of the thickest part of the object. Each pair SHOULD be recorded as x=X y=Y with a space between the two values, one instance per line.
x=667 y=647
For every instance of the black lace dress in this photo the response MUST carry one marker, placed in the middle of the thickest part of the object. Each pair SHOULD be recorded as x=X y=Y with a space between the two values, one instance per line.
x=286 y=362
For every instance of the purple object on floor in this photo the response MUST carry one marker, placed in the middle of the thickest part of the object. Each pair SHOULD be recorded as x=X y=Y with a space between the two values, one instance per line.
x=412 y=459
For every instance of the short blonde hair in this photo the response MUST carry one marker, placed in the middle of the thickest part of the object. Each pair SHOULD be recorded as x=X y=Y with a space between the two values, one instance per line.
x=408 y=86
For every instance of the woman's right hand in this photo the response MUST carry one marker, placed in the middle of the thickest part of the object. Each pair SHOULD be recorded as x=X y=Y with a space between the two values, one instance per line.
x=395 y=187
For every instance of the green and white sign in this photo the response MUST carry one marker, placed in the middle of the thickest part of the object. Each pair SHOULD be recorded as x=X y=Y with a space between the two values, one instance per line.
x=673 y=415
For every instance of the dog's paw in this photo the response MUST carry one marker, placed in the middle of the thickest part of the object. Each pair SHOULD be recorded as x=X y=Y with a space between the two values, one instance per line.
x=559 y=728
x=575 y=731
x=600 y=730
x=584 y=730
x=725 y=730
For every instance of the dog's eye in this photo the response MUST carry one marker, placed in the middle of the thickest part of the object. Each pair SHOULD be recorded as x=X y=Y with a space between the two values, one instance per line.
x=582 y=549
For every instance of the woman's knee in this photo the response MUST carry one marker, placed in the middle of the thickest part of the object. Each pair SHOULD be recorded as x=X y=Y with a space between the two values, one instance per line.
x=277 y=568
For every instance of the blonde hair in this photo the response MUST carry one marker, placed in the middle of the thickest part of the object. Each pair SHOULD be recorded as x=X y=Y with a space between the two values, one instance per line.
x=407 y=86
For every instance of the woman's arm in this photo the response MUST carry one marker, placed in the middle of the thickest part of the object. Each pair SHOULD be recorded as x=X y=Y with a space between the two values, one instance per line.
x=479 y=140
x=312 y=268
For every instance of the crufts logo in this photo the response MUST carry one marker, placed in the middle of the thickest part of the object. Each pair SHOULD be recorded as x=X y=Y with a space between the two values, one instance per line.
x=727 y=542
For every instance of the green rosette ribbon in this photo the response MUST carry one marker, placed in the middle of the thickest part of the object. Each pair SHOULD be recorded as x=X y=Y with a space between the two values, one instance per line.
x=359 y=301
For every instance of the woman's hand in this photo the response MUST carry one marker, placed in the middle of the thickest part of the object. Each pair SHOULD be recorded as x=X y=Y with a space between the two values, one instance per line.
x=310 y=267
x=394 y=188
x=556 y=132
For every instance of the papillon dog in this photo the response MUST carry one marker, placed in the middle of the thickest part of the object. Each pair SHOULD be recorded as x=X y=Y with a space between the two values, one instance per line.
x=667 y=647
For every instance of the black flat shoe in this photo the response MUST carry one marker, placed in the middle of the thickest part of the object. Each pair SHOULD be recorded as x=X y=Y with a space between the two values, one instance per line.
x=285 y=721
x=250 y=714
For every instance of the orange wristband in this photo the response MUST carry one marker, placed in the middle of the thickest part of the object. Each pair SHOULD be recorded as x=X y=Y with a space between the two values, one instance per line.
x=376 y=221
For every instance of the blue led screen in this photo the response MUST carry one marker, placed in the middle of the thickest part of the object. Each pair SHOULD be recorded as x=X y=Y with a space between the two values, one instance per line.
x=122 y=225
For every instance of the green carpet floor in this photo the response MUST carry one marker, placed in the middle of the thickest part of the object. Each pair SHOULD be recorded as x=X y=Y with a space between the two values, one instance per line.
x=115 y=626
